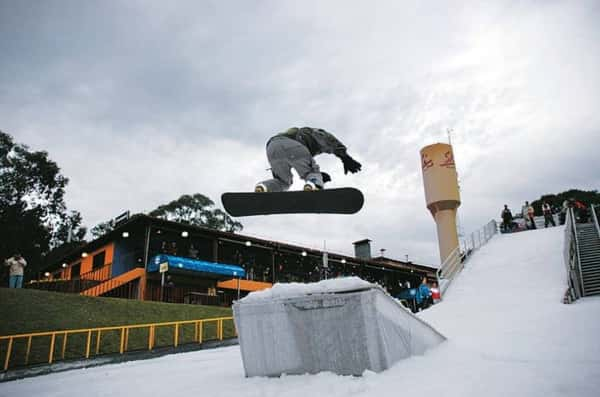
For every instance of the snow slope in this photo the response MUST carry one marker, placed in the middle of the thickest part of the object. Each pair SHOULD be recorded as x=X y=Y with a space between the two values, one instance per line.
x=508 y=335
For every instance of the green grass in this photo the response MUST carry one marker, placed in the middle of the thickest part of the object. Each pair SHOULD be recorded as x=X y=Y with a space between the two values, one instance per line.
x=27 y=311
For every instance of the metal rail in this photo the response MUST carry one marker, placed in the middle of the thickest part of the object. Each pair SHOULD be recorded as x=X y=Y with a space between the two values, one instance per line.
x=455 y=261
x=124 y=331
x=595 y=218
x=571 y=257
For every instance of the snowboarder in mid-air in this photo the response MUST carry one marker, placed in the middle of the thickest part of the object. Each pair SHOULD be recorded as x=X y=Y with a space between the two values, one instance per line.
x=296 y=149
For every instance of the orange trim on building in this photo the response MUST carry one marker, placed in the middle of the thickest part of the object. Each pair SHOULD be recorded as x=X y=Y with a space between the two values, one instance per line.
x=87 y=262
x=245 y=285
x=115 y=282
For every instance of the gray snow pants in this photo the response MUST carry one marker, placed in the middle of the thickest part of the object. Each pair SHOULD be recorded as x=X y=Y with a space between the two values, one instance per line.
x=284 y=154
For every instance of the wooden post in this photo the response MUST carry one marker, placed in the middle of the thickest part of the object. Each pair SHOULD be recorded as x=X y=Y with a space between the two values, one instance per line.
x=51 y=354
x=126 y=338
x=151 y=337
x=10 y=343
x=88 y=344
x=122 y=347
x=28 y=350
x=64 y=345
x=98 y=342
x=200 y=331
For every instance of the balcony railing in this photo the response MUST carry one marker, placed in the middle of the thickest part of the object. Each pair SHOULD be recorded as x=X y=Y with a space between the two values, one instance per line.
x=101 y=274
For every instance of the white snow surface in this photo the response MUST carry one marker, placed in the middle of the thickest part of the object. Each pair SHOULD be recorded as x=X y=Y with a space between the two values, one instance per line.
x=509 y=334
x=294 y=290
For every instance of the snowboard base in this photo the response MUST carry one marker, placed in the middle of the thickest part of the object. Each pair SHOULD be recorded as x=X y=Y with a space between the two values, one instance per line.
x=328 y=201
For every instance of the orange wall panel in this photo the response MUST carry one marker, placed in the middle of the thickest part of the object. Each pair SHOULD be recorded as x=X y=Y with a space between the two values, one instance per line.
x=87 y=262
x=245 y=285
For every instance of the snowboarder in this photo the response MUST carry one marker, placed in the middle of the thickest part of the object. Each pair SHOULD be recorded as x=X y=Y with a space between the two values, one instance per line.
x=296 y=149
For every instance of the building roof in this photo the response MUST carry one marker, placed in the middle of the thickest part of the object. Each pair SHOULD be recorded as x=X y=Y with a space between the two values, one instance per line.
x=141 y=221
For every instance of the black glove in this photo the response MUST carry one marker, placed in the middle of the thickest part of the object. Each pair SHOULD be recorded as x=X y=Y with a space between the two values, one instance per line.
x=326 y=177
x=350 y=164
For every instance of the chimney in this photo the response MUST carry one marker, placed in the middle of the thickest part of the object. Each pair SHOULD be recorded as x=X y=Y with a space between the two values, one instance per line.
x=362 y=249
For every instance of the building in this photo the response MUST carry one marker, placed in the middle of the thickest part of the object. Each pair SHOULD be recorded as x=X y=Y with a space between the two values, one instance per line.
x=204 y=265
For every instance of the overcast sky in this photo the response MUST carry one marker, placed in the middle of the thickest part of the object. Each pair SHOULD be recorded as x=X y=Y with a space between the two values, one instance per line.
x=142 y=101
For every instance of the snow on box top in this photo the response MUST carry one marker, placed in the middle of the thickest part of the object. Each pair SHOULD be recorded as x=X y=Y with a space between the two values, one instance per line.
x=294 y=290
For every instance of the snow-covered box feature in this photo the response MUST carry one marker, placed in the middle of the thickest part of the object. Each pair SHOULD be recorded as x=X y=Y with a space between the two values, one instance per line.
x=344 y=325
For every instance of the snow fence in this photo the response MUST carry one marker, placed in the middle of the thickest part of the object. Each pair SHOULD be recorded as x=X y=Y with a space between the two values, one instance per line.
x=345 y=326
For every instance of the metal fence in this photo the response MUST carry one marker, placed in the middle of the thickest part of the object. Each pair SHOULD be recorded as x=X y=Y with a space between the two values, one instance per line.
x=454 y=263
x=594 y=210
x=53 y=346
x=571 y=258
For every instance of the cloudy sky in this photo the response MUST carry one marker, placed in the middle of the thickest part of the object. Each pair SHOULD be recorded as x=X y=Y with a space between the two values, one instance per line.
x=142 y=101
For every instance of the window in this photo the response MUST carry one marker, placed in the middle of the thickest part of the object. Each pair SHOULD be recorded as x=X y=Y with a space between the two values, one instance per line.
x=98 y=260
x=76 y=270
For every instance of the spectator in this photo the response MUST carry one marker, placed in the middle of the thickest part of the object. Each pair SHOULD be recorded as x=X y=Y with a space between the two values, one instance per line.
x=193 y=252
x=563 y=212
x=506 y=219
x=581 y=210
x=172 y=250
x=528 y=215
x=423 y=296
x=164 y=247
x=548 y=217
x=435 y=293
x=17 y=266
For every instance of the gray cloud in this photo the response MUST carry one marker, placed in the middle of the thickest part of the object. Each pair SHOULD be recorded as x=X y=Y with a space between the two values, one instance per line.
x=140 y=102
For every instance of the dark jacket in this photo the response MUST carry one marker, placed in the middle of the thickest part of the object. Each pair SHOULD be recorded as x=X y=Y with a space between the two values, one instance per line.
x=506 y=215
x=316 y=140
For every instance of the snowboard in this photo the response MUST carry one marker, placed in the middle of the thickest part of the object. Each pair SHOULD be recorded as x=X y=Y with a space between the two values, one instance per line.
x=328 y=201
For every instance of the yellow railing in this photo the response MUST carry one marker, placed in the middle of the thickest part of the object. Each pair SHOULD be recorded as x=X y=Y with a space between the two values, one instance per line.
x=124 y=331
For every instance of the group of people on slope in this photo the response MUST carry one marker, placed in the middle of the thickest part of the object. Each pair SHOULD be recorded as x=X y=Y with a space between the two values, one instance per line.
x=581 y=211
x=528 y=213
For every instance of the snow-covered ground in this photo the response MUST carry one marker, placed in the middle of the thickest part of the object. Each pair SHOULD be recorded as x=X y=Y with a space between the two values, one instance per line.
x=508 y=335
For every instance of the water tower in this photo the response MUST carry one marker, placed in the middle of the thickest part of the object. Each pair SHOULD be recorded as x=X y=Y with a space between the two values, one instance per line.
x=441 y=193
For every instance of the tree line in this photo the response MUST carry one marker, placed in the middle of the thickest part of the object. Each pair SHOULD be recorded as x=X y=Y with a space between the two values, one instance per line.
x=35 y=220
x=587 y=197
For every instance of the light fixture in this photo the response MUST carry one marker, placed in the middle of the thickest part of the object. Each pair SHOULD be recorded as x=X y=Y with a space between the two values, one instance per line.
x=304 y=253
x=84 y=254
x=343 y=260
x=125 y=234
x=64 y=265
x=248 y=243
x=47 y=274
x=158 y=231
x=184 y=234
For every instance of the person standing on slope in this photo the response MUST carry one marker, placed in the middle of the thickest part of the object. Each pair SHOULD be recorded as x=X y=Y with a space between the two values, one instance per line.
x=296 y=149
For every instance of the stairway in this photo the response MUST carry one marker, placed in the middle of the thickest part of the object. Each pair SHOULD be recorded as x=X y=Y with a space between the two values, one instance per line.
x=115 y=282
x=589 y=252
